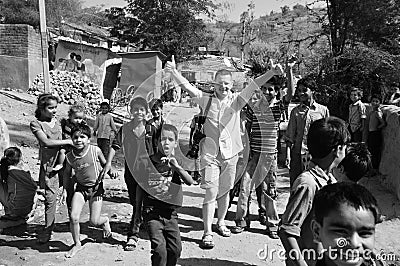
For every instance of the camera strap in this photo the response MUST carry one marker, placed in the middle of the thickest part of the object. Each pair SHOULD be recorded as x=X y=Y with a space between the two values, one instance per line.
x=202 y=118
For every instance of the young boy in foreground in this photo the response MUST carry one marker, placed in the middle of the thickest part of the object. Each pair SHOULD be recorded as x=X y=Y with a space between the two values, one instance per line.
x=327 y=139
x=163 y=196
x=344 y=223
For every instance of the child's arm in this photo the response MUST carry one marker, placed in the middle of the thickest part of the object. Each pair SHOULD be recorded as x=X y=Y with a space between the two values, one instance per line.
x=66 y=180
x=290 y=80
x=113 y=126
x=51 y=143
x=117 y=144
x=382 y=122
x=103 y=162
x=297 y=210
x=96 y=125
x=182 y=172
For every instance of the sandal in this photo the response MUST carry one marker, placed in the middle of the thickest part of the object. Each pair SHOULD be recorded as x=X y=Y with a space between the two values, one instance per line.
x=130 y=244
x=207 y=241
x=223 y=230
x=272 y=232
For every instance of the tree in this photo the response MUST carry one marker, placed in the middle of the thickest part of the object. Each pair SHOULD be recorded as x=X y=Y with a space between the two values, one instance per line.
x=171 y=26
x=27 y=11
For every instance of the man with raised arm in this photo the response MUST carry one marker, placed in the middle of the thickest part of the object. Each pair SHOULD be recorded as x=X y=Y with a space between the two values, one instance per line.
x=219 y=150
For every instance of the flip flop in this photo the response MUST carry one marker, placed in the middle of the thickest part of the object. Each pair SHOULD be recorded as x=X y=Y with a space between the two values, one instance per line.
x=130 y=245
x=223 y=230
x=207 y=241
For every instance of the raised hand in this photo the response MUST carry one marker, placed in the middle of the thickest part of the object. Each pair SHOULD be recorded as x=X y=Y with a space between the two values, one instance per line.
x=171 y=161
x=292 y=60
x=170 y=65
x=277 y=68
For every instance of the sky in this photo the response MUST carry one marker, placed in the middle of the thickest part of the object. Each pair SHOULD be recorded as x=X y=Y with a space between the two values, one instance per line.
x=262 y=8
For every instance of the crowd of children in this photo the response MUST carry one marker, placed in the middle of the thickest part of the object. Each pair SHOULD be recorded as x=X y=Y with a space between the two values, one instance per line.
x=327 y=158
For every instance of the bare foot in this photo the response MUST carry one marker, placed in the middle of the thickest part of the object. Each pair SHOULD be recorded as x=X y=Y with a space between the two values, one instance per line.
x=107 y=229
x=75 y=248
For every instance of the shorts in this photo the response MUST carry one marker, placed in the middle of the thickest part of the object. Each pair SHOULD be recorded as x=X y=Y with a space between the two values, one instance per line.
x=90 y=192
x=218 y=173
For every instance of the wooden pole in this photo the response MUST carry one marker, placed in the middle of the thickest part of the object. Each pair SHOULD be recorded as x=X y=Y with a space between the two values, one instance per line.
x=45 y=56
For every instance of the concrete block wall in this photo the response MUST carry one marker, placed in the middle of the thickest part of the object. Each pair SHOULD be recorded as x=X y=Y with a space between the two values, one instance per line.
x=20 y=55
x=390 y=162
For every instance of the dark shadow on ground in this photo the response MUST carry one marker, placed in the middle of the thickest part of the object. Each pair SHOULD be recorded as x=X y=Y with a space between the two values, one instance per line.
x=193 y=194
x=210 y=261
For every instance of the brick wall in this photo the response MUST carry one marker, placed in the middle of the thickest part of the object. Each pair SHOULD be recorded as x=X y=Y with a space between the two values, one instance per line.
x=20 y=55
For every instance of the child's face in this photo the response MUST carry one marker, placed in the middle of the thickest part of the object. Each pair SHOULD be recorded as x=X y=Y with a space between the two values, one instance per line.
x=138 y=112
x=77 y=117
x=104 y=109
x=268 y=92
x=50 y=110
x=156 y=112
x=168 y=142
x=375 y=103
x=354 y=96
x=347 y=234
x=305 y=94
x=80 y=140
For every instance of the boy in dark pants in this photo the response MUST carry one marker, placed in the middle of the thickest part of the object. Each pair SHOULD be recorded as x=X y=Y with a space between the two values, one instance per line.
x=162 y=198
x=136 y=139
x=375 y=126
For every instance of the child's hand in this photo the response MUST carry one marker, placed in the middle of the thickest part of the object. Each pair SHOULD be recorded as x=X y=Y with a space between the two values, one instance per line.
x=63 y=199
x=113 y=174
x=171 y=161
x=106 y=169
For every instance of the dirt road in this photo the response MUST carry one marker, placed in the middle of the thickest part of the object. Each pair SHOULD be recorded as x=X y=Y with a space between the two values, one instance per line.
x=18 y=245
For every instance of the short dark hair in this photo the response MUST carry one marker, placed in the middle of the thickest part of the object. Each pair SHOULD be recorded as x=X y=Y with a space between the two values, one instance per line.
x=83 y=129
x=308 y=82
x=139 y=101
x=325 y=135
x=105 y=104
x=377 y=96
x=172 y=128
x=12 y=156
x=223 y=72
x=156 y=103
x=331 y=197
x=357 y=161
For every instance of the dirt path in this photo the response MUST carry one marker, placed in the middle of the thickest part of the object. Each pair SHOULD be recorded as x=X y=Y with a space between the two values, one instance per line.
x=19 y=247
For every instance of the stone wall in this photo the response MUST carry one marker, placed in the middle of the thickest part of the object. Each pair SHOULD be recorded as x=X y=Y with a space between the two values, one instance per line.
x=390 y=162
x=20 y=56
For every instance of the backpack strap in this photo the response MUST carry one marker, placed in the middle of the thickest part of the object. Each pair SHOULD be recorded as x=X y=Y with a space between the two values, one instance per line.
x=203 y=116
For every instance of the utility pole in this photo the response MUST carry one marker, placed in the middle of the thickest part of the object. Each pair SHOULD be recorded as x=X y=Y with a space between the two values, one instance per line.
x=45 y=56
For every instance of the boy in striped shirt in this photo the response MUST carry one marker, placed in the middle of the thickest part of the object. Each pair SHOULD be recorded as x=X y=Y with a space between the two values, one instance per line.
x=262 y=125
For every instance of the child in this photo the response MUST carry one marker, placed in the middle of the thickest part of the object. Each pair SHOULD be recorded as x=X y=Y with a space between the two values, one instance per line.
x=164 y=196
x=86 y=161
x=17 y=188
x=47 y=130
x=136 y=139
x=103 y=127
x=375 y=125
x=299 y=123
x=326 y=140
x=157 y=121
x=357 y=115
x=262 y=123
x=344 y=223
x=355 y=165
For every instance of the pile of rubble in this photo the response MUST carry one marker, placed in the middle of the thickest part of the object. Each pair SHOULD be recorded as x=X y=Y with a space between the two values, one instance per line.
x=71 y=88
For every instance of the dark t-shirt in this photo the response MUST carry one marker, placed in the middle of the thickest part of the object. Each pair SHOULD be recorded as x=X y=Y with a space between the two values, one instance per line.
x=163 y=186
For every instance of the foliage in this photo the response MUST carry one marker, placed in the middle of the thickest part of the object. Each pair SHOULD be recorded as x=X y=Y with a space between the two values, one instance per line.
x=171 y=26
x=27 y=11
